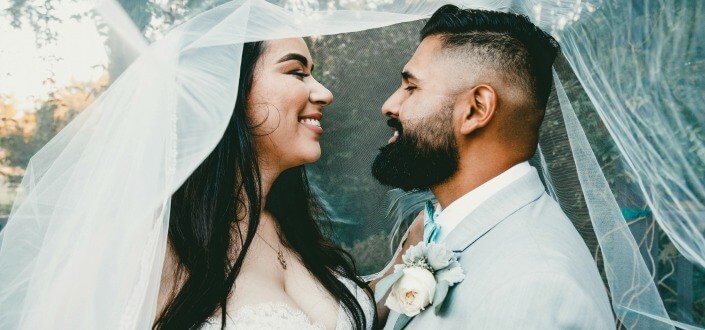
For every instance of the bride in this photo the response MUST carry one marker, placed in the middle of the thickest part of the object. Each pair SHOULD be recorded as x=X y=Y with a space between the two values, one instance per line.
x=179 y=198
x=244 y=245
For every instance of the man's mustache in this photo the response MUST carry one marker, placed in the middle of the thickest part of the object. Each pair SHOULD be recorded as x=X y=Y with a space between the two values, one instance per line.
x=395 y=123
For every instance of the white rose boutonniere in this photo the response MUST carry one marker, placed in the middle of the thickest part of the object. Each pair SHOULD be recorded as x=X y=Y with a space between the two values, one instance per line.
x=422 y=280
x=412 y=292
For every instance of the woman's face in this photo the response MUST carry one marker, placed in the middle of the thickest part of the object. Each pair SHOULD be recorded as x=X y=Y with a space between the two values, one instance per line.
x=285 y=105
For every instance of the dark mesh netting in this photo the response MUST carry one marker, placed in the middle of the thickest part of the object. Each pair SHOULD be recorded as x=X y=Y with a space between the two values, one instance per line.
x=361 y=70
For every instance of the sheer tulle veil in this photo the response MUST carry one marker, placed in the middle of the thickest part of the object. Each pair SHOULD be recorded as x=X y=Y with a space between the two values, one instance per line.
x=86 y=238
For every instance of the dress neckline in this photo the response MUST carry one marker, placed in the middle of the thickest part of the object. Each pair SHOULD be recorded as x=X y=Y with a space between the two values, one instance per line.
x=286 y=310
x=283 y=308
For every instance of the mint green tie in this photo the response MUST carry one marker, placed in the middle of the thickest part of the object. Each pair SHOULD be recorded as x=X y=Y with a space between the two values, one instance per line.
x=431 y=229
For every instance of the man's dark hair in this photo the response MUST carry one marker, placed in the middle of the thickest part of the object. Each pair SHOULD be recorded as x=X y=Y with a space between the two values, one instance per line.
x=510 y=42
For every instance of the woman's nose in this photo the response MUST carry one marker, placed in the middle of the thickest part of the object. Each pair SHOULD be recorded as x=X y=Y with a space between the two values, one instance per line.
x=321 y=95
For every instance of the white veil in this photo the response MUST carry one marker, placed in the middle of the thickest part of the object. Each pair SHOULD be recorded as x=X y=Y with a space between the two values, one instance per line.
x=85 y=241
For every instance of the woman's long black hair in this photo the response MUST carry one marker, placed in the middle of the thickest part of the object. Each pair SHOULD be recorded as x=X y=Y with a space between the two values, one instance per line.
x=204 y=215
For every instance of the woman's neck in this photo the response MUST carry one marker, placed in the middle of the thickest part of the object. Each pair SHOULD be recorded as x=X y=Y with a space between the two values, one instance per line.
x=269 y=172
x=267 y=225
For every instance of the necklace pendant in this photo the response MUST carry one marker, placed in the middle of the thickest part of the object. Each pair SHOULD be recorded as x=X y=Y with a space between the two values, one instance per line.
x=282 y=261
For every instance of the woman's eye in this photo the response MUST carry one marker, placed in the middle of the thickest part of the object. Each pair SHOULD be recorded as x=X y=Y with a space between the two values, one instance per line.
x=410 y=88
x=300 y=74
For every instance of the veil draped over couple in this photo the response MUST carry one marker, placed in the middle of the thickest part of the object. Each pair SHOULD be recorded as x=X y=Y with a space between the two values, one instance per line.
x=196 y=192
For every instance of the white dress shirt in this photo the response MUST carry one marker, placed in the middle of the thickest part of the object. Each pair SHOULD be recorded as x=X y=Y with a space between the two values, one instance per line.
x=459 y=209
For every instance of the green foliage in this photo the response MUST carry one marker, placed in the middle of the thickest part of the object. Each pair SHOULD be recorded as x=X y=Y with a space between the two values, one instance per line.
x=19 y=148
x=40 y=18
x=680 y=284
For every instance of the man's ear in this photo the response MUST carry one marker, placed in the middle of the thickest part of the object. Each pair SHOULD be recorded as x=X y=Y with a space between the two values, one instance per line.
x=479 y=108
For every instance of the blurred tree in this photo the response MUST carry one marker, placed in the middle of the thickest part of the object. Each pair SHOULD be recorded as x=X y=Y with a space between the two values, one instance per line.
x=23 y=134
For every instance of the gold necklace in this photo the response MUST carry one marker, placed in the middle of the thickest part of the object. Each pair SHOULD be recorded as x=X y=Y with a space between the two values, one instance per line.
x=280 y=255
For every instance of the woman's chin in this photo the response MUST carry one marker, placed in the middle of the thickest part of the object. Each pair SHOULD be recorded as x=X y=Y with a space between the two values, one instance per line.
x=310 y=156
x=314 y=157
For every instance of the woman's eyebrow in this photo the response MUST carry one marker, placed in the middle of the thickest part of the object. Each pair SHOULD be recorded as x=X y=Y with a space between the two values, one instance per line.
x=294 y=57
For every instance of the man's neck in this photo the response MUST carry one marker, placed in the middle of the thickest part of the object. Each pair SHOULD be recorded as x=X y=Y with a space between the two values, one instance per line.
x=467 y=178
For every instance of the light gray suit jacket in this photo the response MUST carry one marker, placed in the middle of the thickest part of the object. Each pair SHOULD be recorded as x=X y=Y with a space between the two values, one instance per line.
x=526 y=268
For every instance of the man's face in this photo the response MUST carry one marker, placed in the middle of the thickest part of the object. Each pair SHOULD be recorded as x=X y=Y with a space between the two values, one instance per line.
x=423 y=151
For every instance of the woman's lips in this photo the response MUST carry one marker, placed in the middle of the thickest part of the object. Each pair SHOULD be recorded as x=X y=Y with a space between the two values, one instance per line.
x=312 y=124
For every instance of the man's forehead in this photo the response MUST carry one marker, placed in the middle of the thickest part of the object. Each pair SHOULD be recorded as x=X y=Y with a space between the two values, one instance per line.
x=425 y=55
x=432 y=68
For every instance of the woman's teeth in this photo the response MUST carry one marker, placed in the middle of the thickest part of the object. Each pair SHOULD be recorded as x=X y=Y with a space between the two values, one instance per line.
x=311 y=122
x=394 y=137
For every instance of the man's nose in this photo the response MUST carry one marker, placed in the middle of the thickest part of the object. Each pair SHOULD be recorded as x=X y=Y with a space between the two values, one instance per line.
x=390 y=108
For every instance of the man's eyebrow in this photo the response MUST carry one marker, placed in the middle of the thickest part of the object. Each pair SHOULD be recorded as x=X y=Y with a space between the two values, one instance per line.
x=294 y=57
x=406 y=75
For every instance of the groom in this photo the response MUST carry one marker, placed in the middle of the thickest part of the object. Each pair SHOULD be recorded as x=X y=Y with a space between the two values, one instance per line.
x=466 y=121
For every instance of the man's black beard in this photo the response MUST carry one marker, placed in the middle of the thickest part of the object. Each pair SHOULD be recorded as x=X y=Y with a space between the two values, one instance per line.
x=413 y=163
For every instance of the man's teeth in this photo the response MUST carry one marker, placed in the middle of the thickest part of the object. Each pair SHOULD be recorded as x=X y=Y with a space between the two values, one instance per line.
x=311 y=122
x=396 y=133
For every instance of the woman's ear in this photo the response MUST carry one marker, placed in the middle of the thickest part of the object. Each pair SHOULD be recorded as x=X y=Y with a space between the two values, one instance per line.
x=481 y=104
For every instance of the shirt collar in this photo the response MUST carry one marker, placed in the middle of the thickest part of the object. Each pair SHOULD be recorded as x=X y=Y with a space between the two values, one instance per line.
x=451 y=216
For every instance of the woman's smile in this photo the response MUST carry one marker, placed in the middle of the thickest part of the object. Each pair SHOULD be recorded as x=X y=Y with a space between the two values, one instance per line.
x=312 y=122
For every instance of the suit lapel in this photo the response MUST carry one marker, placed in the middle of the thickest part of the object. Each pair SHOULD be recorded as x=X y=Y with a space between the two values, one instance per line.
x=401 y=322
x=396 y=321
x=501 y=205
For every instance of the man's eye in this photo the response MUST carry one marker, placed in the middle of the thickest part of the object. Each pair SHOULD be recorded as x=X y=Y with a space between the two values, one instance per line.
x=410 y=88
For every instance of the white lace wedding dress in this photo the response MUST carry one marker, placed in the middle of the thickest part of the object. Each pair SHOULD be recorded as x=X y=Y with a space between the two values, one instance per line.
x=280 y=316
